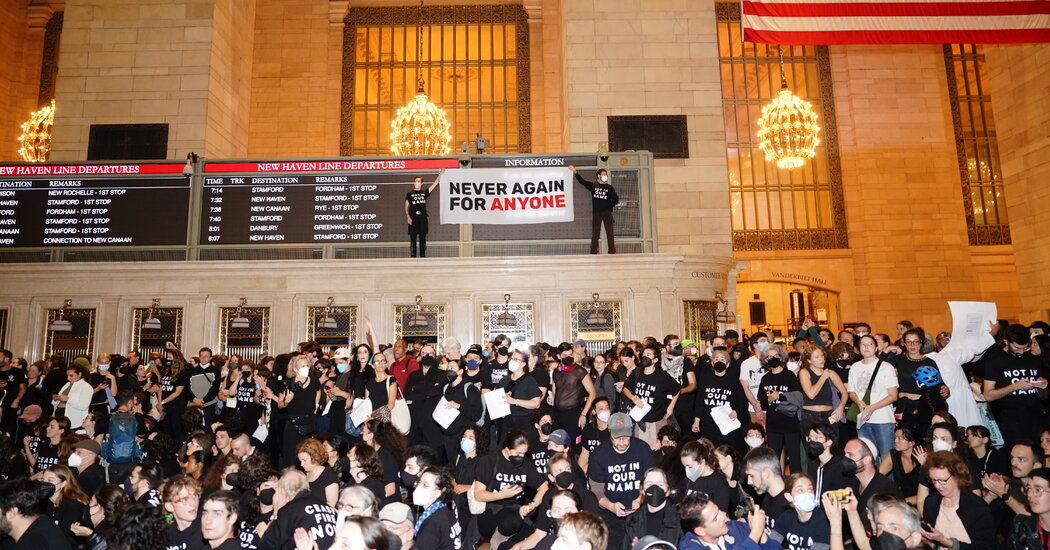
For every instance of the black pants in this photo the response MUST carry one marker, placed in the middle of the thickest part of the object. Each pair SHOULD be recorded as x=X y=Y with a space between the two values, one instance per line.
x=418 y=230
x=568 y=420
x=599 y=219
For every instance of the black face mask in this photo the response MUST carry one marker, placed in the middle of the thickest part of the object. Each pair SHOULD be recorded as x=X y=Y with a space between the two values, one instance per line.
x=266 y=497
x=409 y=480
x=231 y=479
x=563 y=480
x=772 y=363
x=720 y=348
x=842 y=362
x=428 y=361
x=503 y=351
x=546 y=428
x=668 y=449
x=567 y=360
x=645 y=362
x=516 y=460
x=889 y=541
x=451 y=376
x=168 y=362
x=814 y=448
x=655 y=495
x=719 y=366
x=849 y=467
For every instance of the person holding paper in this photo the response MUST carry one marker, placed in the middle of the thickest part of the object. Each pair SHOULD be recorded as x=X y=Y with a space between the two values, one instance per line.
x=615 y=473
x=523 y=394
x=715 y=389
x=464 y=397
x=651 y=387
x=423 y=391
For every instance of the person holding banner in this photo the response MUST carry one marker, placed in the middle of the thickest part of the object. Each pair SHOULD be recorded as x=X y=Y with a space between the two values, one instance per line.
x=416 y=213
x=603 y=199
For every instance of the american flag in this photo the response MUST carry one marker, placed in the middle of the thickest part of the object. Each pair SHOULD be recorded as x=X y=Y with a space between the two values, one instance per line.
x=816 y=22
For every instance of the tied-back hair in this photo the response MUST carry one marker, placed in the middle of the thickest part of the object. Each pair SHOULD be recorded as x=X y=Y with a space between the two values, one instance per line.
x=72 y=490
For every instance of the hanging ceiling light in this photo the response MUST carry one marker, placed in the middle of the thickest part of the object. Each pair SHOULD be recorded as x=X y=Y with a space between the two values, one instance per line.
x=239 y=321
x=420 y=128
x=328 y=322
x=723 y=315
x=596 y=317
x=506 y=319
x=418 y=319
x=787 y=130
x=151 y=322
x=60 y=324
x=35 y=140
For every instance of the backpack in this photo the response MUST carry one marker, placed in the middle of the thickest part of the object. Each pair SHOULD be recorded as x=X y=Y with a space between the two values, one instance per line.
x=121 y=445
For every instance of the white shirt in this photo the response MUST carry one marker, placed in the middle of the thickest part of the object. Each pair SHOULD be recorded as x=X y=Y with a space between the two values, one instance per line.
x=949 y=361
x=860 y=375
x=751 y=370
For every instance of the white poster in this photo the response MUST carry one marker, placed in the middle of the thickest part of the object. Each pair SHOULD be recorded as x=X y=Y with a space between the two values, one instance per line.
x=506 y=196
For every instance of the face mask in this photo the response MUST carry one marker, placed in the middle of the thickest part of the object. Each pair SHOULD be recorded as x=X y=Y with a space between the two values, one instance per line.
x=753 y=442
x=417 y=185
x=655 y=495
x=74 y=461
x=342 y=367
x=467 y=445
x=849 y=467
x=233 y=365
x=941 y=445
x=167 y=362
x=563 y=480
x=889 y=541
x=567 y=360
x=103 y=368
x=266 y=497
x=409 y=480
x=720 y=348
x=814 y=448
x=772 y=363
x=451 y=376
x=842 y=362
x=668 y=449
x=603 y=178
x=603 y=416
x=692 y=474
x=224 y=372
x=546 y=428
x=258 y=387
x=428 y=361
x=719 y=366
x=485 y=354
x=503 y=351
x=246 y=373
x=423 y=497
x=231 y=479
x=806 y=502
x=472 y=364
x=514 y=365
x=762 y=346
x=645 y=362
x=303 y=372
x=129 y=489
x=517 y=460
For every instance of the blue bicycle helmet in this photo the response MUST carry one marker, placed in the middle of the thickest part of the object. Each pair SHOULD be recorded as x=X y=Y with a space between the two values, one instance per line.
x=927 y=376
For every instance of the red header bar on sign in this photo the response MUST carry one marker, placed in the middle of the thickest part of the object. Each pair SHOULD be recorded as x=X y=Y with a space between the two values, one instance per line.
x=89 y=169
x=327 y=166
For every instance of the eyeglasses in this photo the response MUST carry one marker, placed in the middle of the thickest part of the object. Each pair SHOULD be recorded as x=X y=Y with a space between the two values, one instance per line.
x=912 y=342
x=1036 y=491
x=941 y=481
x=347 y=506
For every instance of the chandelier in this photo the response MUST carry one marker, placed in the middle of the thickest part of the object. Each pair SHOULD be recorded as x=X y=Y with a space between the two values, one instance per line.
x=787 y=130
x=420 y=127
x=35 y=140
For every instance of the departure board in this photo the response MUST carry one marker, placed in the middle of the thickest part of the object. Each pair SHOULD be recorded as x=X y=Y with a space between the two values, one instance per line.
x=315 y=202
x=55 y=206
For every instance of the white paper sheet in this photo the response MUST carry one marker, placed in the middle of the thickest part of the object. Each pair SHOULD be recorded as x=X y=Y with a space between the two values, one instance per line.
x=261 y=433
x=361 y=411
x=443 y=415
x=721 y=417
x=638 y=413
x=970 y=319
x=496 y=405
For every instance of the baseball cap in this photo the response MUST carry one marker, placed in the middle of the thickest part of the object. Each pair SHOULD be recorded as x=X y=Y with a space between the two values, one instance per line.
x=580 y=343
x=560 y=437
x=341 y=353
x=396 y=512
x=650 y=542
x=620 y=425
x=870 y=445
x=88 y=445
x=31 y=413
x=687 y=342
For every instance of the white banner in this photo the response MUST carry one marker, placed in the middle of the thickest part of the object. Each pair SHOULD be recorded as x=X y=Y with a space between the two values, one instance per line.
x=506 y=195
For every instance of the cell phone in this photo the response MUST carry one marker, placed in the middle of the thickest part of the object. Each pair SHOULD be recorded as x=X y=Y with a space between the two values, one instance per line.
x=840 y=496
x=926 y=526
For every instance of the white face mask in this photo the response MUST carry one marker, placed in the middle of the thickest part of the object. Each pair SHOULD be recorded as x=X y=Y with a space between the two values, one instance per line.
x=224 y=372
x=514 y=365
x=603 y=416
x=75 y=461
x=941 y=445
x=604 y=178
x=805 y=502
x=304 y=372
x=753 y=442
x=418 y=185
x=692 y=474
x=421 y=496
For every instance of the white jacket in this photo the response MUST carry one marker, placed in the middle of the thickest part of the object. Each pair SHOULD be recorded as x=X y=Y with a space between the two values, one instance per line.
x=79 y=400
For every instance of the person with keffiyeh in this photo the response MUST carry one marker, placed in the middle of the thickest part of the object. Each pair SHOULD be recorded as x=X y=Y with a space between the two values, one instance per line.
x=436 y=527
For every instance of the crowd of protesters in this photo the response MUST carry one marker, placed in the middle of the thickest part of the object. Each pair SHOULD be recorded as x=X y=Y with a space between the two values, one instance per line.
x=820 y=440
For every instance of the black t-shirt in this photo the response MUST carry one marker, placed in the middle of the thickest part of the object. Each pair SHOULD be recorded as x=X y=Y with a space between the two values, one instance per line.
x=378 y=392
x=391 y=472
x=440 y=531
x=492 y=373
x=14 y=378
x=656 y=389
x=715 y=391
x=603 y=195
x=229 y=544
x=879 y=484
x=774 y=507
x=906 y=368
x=537 y=454
x=795 y=534
x=542 y=376
x=523 y=388
x=96 y=379
x=497 y=473
x=41 y=534
x=593 y=437
x=621 y=473
x=190 y=539
x=46 y=455
x=249 y=540
x=306 y=511
x=303 y=398
x=544 y=521
x=1005 y=368
x=417 y=202
x=783 y=382
x=327 y=478
x=716 y=487
x=245 y=393
x=168 y=384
